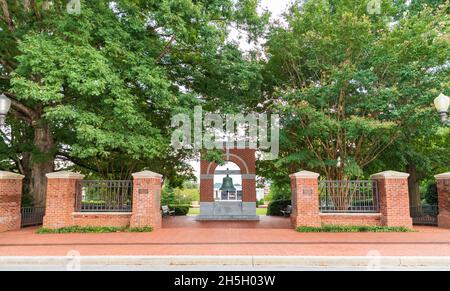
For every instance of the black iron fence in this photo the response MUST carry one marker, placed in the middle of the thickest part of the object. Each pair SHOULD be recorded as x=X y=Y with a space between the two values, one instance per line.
x=104 y=196
x=425 y=215
x=32 y=215
x=349 y=196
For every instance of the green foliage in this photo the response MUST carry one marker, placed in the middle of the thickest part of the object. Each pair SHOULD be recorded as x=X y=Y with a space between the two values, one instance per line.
x=27 y=200
x=108 y=80
x=431 y=195
x=351 y=87
x=167 y=195
x=92 y=229
x=260 y=202
x=343 y=228
x=180 y=210
x=279 y=192
x=274 y=208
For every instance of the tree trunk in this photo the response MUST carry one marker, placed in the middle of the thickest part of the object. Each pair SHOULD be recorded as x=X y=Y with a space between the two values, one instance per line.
x=413 y=185
x=43 y=161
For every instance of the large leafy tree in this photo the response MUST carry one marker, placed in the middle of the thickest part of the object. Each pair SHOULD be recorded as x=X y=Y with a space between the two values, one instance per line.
x=98 y=88
x=350 y=84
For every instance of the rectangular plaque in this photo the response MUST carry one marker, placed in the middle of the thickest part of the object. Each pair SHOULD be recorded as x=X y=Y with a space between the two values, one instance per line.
x=307 y=192
x=142 y=191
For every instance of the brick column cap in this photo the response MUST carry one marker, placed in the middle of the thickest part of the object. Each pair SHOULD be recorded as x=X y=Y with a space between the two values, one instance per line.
x=305 y=174
x=146 y=174
x=65 y=175
x=443 y=176
x=390 y=175
x=4 y=175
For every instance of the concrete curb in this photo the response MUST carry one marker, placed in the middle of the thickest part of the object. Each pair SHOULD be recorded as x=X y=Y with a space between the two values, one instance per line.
x=238 y=261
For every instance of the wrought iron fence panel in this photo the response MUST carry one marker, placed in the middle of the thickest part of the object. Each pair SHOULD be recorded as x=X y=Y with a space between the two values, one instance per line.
x=32 y=215
x=349 y=196
x=425 y=215
x=104 y=196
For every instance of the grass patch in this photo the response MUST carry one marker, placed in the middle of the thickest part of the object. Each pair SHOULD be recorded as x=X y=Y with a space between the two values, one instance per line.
x=261 y=211
x=349 y=228
x=93 y=229
x=193 y=211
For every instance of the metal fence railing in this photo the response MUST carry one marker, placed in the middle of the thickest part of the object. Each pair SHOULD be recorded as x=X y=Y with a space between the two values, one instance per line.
x=349 y=196
x=425 y=215
x=32 y=215
x=104 y=196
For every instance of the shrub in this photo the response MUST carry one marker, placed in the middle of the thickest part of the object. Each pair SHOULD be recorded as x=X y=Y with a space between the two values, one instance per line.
x=274 y=208
x=180 y=210
x=93 y=229
x=260 y=202
x=350 y=228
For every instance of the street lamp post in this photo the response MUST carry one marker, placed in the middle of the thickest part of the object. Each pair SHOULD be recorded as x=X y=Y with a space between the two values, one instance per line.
x=5 y=105
x=442 y=103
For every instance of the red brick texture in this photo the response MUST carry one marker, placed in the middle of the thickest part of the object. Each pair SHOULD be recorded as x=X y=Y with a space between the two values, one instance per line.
x=356 y=219
x=60 y=202
x=146 y=202
x=394 y=201
x=443 y=185
x=305 y=201
x=10 y=202
x=101 y=219
x=393 y=195
x=245 y=159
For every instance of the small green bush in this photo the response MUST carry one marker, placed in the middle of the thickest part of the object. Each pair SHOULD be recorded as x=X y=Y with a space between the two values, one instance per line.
x=93 y=229
x=350 y=228
x=180 y=210
x=274 y=208
x=260 y=202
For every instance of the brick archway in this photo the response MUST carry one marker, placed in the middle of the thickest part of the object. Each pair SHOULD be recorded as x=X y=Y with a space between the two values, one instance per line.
x=245 y=159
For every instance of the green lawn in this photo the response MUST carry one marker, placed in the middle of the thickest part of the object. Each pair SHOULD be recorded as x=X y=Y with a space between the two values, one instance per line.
x=196 y=211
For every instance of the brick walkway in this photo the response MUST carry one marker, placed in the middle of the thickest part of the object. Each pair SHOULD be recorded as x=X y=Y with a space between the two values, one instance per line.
x=270 y=236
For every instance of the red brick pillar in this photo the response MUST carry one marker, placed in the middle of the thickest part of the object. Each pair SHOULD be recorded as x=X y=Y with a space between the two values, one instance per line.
x=10 y=200
x=146 y=200
x=394 y=198
x=443 y=185
x=60 y=199
x=305 y=199
x=248 y=188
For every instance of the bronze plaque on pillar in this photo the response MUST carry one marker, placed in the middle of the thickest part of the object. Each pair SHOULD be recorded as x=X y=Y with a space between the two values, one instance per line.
x=142 y=191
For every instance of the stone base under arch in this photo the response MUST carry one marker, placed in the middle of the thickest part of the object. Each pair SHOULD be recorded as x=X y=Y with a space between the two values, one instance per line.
x=228 y=210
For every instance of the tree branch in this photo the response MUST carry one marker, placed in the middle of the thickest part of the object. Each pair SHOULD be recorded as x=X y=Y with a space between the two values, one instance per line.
x=7 y=16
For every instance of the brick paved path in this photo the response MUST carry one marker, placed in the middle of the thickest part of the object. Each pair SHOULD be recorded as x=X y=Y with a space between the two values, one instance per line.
x=271 y=236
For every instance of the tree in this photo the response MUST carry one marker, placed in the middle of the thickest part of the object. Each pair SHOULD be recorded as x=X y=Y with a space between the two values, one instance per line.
x=98 y=88
x=349 y=85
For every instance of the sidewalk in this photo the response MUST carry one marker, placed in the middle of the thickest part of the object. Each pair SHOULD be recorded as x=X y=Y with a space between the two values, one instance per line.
x=227 y=240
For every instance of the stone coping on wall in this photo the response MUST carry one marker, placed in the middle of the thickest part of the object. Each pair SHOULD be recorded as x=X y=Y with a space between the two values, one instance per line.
x=4 y=175
x=102 y=213
x=65 y=175
x=443 y=176
x=305 y=174
x=146 y=174
x=390 y=175
x=348 y=214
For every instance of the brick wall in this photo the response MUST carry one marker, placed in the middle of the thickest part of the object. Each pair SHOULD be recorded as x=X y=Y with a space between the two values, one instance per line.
x=443 y=185
x=60 y=204
x=146 y=200
x=305 y=197
x=101 y=219
x=60 y=199
x=357 y=219
x=10 y=201
x=394 y=198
